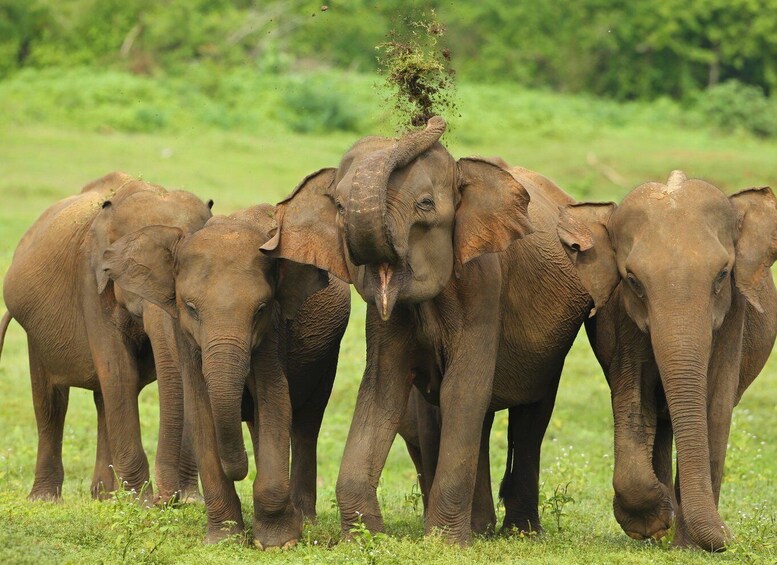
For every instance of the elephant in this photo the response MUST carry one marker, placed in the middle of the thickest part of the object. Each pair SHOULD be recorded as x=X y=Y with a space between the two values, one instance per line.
x=687 y=317
x=470 y=297
x=257 y=337
x=84 y=331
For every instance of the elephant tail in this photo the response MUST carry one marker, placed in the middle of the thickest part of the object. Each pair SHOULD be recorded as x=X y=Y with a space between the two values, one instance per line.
x=507 y=481
x=3 y=327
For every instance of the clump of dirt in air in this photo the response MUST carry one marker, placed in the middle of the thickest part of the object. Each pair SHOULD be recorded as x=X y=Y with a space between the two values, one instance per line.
x=418 y=71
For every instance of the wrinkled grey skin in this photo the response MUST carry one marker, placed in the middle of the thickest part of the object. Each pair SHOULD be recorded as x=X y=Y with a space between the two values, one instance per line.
x=430 y=244
x=258 y=339
x=84 y=331
x=689 y=325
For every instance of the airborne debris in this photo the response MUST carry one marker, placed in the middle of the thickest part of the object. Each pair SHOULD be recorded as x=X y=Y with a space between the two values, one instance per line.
x=418 y=72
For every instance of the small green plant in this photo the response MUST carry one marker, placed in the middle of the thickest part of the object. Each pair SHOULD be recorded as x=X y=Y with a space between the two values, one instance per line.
x=418 y=70
x=369 y=543
x=415 y=496
x=556 y=503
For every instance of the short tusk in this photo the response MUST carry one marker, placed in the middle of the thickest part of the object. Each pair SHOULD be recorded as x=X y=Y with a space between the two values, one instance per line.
x=384 y=272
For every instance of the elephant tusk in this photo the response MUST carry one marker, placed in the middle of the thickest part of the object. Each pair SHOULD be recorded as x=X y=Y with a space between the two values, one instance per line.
x=385 y=272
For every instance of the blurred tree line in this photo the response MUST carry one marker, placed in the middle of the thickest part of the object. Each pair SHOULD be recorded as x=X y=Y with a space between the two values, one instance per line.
x=638 y=49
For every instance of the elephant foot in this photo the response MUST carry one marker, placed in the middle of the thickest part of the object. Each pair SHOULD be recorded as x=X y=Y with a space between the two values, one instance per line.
x=45 y=494
x=649 y=520
x=281 y=529
x=483 y=525
x=454 y=535
x=522 y=527
x=190 y=496
x=226 y=530
x=307 y=508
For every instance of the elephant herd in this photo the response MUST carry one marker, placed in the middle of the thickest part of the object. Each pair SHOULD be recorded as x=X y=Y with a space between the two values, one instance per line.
x=477 y=278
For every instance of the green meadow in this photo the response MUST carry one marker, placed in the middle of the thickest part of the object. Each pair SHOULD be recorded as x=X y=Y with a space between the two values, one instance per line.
x=247 y=139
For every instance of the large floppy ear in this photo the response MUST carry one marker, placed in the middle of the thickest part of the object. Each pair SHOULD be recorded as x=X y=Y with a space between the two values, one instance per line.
x=756 y=247
x=582 y=229
x=142 y=262
x=296 y=282
x=307 y=226
x=492 y=213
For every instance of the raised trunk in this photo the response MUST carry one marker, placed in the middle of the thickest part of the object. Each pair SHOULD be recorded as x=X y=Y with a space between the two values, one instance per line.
x=225 y=366
x=368 y=231
x=682 y=351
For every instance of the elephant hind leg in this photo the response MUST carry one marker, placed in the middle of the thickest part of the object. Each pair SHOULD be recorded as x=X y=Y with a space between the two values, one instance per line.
x=103 y=479
x=520 y=487
x=50 y=404
x=483 y=519
x=187 y=472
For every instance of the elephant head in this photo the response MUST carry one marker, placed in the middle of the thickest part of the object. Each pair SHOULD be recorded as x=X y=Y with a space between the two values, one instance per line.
x=131 y=204
x=679 y=253
x=223 y=292
x=399 y=216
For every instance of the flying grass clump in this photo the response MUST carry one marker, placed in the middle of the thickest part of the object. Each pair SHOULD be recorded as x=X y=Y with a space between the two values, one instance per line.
x=418 y=71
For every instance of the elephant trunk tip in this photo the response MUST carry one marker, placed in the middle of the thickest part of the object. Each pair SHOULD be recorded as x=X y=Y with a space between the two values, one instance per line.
x=237 y=469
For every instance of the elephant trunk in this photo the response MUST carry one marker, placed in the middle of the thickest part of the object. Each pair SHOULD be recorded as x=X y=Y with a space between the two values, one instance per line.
x=682 y=352
x=368 y=231
x=225 y=366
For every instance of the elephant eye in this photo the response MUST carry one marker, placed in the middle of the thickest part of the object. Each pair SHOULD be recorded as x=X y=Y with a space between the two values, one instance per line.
x=340 y=207
x=635 y=285
x=426 y=204
x=719 y=280
x=192 y=309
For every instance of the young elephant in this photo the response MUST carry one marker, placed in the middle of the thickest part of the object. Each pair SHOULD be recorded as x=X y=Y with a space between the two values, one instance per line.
x=256 y=336
x=86 y=332
x=689 y=325
x=476 y=320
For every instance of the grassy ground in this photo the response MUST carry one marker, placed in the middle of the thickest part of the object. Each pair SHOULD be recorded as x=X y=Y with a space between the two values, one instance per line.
x=591 y=156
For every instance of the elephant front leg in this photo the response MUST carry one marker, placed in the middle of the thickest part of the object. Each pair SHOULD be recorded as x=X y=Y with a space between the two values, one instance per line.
x=464 y=399
x=381 y=401
x=277 y=523
x=642 y=504
x=483 y=512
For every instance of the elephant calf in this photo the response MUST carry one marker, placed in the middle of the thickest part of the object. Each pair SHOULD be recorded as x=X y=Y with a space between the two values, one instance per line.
x=689 y=318
x=84 y=331
x=257 y=336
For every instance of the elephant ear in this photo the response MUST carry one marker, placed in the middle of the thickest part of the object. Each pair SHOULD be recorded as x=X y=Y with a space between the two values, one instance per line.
x=142 y=262
x=307 y=230
x=296 y=282
x=582 y=229
x=492 y=213
x=756 y=248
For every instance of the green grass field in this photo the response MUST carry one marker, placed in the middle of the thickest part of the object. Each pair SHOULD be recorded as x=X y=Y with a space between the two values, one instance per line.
x=591 y=155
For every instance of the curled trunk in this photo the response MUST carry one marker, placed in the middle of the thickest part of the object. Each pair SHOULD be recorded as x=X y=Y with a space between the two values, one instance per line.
x=225 y=366
x=682 y=351
x=367 y=229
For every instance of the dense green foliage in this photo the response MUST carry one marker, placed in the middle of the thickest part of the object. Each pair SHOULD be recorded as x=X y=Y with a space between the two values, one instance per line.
x=639 y=49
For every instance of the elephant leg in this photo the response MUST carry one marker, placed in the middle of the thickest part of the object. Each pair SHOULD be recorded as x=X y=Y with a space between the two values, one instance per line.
x=103 y=482
x=304 y=440
x=222 y=506
x=642 y=504
x=158 y=327
x=277 y=523
x=521 y=485
x=483 y=513
x=50 y=404
x=429 y=430
x=188 y=478
x=380 y=404
x=662 y=452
